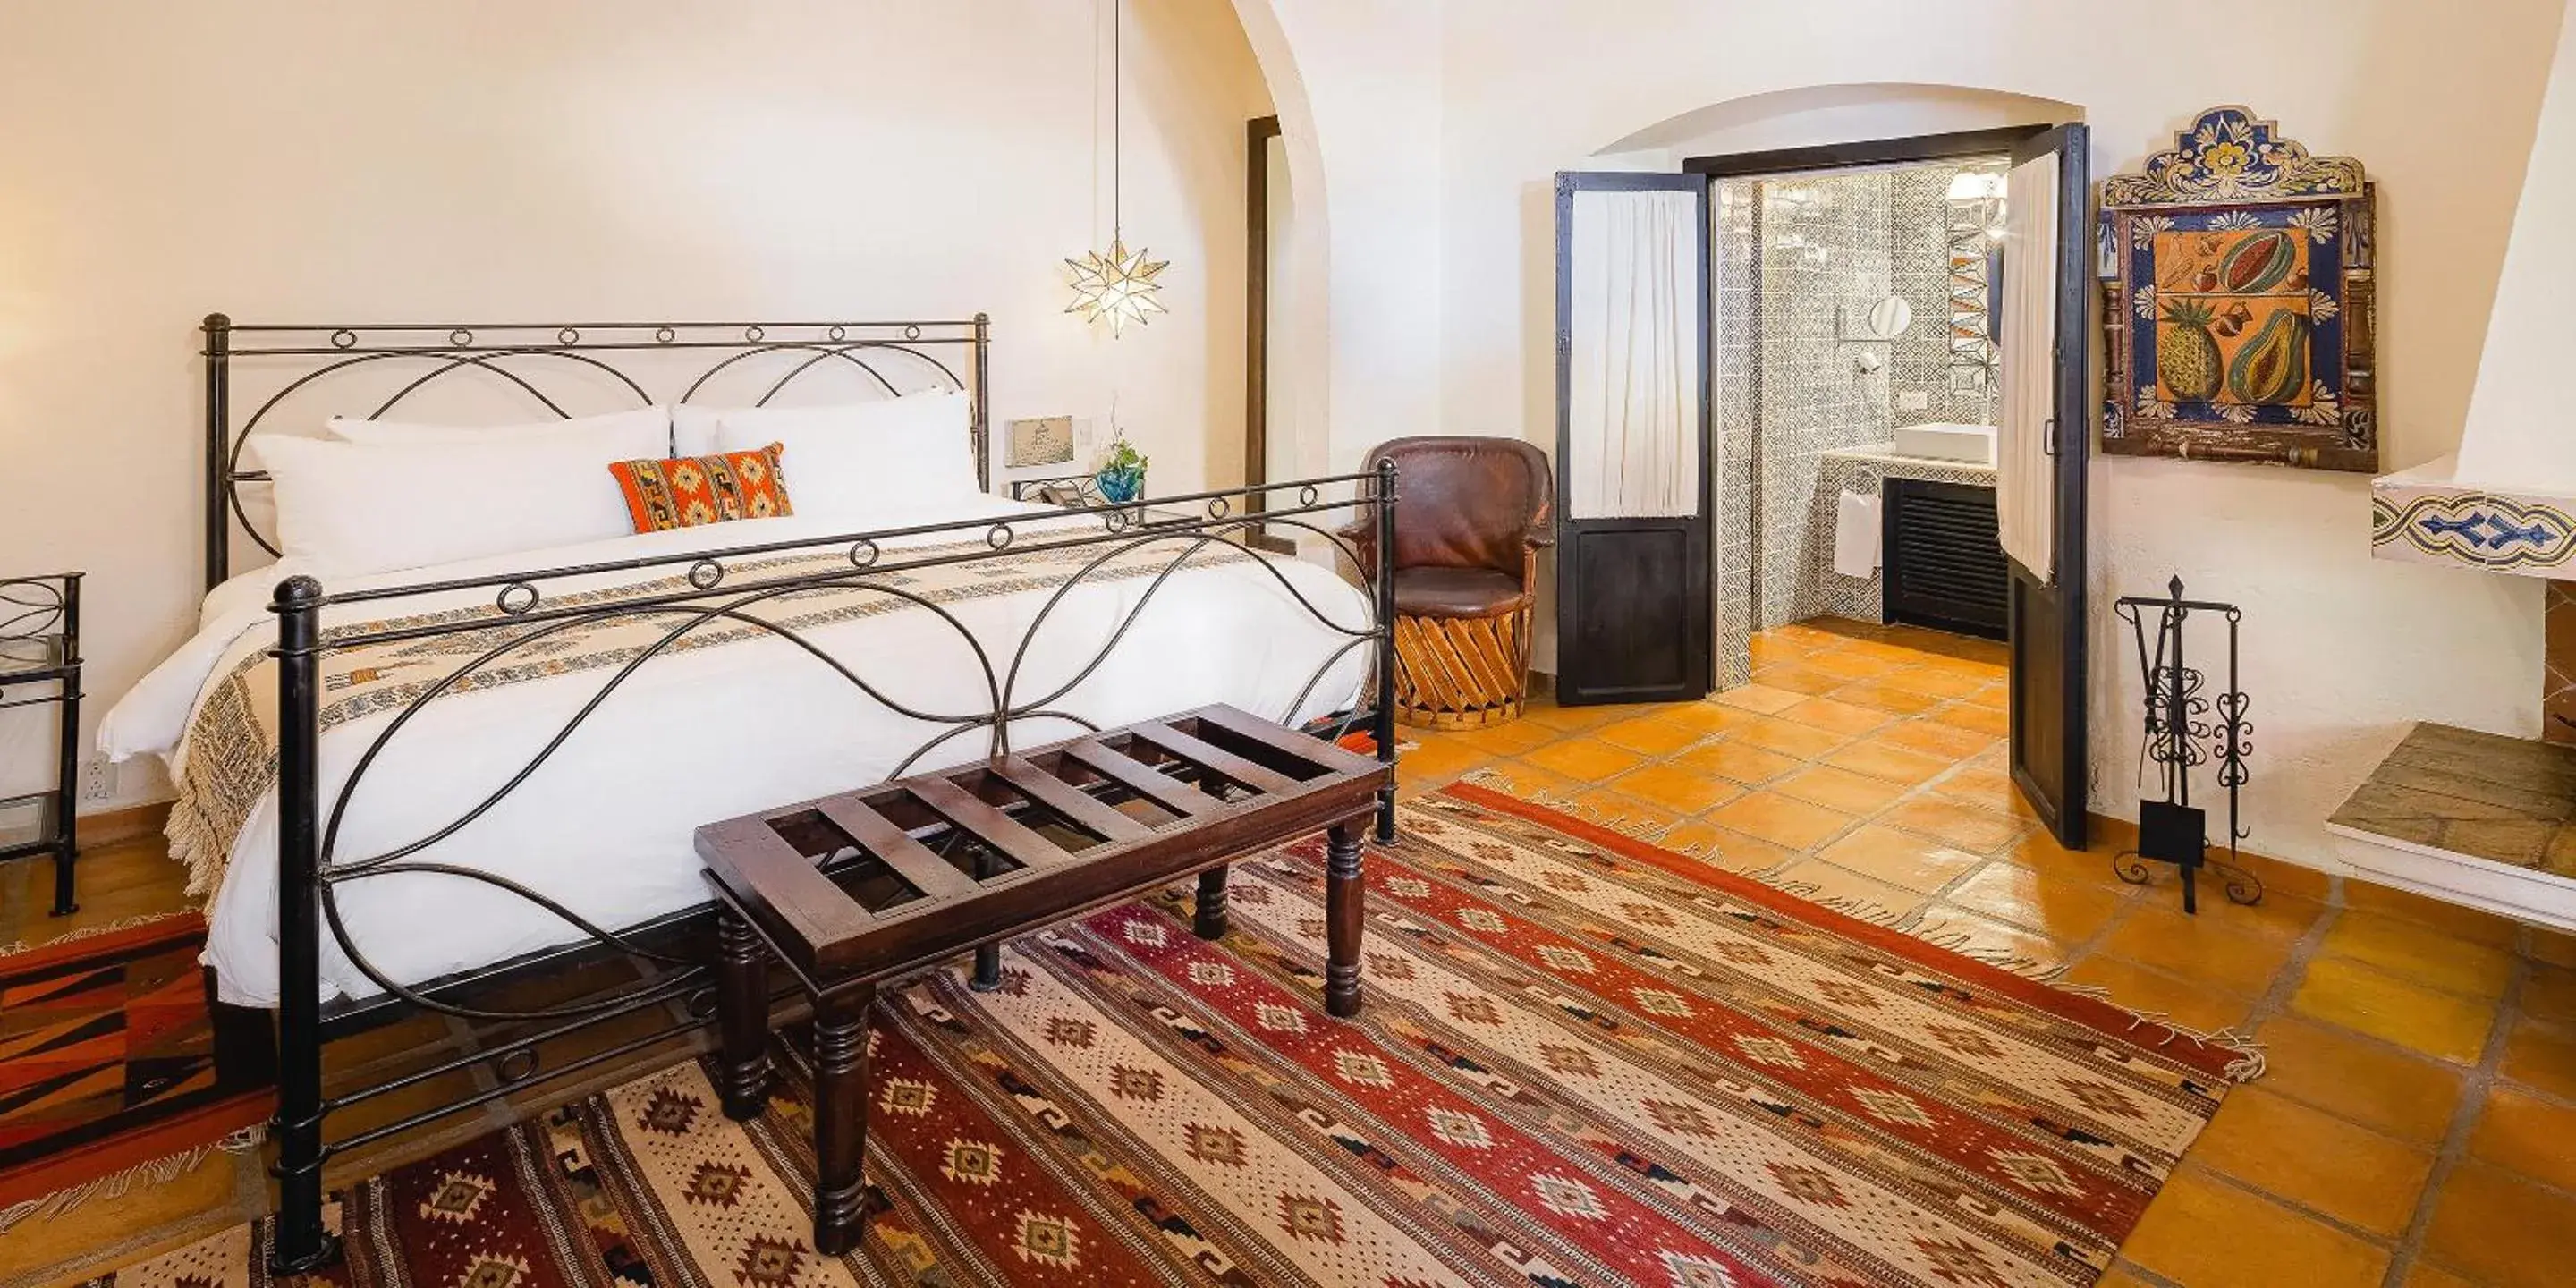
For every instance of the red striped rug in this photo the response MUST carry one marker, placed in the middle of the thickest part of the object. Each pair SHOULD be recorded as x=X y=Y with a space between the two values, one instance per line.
x=1584 y=1060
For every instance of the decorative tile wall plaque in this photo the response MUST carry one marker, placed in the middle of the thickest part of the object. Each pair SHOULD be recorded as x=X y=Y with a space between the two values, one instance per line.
x=2238 y=283
x=1043 y=440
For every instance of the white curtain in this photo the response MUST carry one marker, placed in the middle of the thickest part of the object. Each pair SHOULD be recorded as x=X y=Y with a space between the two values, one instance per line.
x=1632 y=384
x=2025 y=474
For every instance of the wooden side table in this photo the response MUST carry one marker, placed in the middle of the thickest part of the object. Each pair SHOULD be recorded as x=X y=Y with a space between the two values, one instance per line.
x=40 y=650
x=867 y=885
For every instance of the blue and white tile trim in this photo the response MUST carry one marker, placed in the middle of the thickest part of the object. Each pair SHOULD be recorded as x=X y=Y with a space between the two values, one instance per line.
x=2424 y=515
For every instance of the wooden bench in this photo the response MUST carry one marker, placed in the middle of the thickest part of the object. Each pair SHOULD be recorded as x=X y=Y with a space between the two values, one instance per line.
x=859 y=887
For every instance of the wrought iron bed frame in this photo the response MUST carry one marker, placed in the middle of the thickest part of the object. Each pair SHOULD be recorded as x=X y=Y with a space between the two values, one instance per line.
x=671 y=952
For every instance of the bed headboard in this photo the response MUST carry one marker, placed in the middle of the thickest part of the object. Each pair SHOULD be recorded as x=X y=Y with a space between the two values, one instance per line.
x=560 y=370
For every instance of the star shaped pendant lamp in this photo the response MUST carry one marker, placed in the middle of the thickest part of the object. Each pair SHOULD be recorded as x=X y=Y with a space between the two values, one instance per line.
x=1118 y=286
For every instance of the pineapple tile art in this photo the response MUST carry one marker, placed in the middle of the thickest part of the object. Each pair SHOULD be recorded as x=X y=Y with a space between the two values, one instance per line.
x=2239 y=284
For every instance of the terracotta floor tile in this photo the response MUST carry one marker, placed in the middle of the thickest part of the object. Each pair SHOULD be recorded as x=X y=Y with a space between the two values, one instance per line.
x=1709 y=717
x=1881 y=696
x=2362 y=997
x=1803 y=741
x=1966 y=826
x=1584 y=759
x=1899 y=858
x=1842 y=890
x=1934 y=682
x=1771 y=648
x=1836 y=717
x=2472 y=924
x=2204 y=947
x=2424 y=1274
x=1512 y=739
x=2543 y=1055
x=2190 y=1004
x=2408 y=1096
x=2422 y=955
x=1989 y=940
x=1989 y=721
x=1948 y=743
x=1741 y=761
x=2550 y=994
x=1780 y=820
x=2312 y=884
x=1724 y=847
x=1761 y=699
x=1523 y=779
x=1431 y=760
x=1840 y=789
x=2206 y=1233
x=1650 y=735
x=2523 y=1133
x=1624 y=812
x=1797 y=678
x=2499 y=1229
x=2055 y=906
x=1849 y=665
x=2040 y=852
x=1877 y=758
x=1677 y=787
x=2552 y=947
x=2315 y=1159
x=1548 y=715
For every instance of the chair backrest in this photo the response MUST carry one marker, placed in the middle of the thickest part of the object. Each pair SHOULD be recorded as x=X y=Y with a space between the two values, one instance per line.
x=1466 y=502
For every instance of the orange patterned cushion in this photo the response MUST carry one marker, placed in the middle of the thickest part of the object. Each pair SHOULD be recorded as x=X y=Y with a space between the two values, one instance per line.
x=687 y=491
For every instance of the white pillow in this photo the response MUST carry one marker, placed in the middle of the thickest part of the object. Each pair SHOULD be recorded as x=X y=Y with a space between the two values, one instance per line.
x=856 y=461
x=641 y=434
x=693 y=428
x=348 y=509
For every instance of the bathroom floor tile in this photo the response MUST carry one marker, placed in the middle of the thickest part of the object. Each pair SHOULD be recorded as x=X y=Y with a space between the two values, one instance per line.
x=1835 y=717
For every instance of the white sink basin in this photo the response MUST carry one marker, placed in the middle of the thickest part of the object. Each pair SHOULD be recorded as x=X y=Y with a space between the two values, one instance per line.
x=1972 y=444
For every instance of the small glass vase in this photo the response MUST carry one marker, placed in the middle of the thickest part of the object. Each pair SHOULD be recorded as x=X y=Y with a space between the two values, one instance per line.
x=1121 y=487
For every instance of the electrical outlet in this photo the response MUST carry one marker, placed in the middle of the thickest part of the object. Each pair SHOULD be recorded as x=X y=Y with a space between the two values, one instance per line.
x=98 y=779
x=1913 y=400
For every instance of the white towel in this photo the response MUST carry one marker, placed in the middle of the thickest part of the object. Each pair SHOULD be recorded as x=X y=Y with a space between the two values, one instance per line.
x=1856 y=534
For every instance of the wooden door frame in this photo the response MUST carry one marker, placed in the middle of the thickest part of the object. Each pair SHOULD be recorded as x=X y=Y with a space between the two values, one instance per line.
x=1257 y=134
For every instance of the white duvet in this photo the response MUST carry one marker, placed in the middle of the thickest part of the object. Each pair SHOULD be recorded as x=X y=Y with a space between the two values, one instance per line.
x=605 y=825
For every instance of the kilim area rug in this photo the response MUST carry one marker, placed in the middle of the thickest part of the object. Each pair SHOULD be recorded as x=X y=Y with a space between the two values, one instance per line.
x=107 y=1068
x=1583 y=1060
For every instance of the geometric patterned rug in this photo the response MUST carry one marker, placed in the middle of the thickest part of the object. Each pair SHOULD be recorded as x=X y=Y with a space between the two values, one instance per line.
x=107 y=1062
x=1583 y=1060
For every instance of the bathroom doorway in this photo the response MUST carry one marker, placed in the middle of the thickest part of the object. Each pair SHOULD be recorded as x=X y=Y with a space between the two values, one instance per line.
x=1891 y=335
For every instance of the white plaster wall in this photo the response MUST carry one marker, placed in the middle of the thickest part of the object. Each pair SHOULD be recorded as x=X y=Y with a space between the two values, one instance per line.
x=308 y=160
x=2518 y=432
x=2341 y=650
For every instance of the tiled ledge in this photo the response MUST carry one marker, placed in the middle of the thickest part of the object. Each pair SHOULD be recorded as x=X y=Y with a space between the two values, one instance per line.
x=2427 y=515
x=2472 y=818
x=1884 y=458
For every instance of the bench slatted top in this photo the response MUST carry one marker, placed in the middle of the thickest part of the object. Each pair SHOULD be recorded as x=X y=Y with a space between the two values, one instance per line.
x=867 y=882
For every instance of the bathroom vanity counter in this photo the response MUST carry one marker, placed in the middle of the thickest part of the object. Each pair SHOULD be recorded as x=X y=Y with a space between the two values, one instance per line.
x=2469 y=817
x=1884 y=458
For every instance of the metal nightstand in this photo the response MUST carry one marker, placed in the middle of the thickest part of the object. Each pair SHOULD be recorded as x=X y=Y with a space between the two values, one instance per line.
x=40 y=650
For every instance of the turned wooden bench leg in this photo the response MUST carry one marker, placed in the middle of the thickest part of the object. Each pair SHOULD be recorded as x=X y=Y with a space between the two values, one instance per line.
x=742 y=1018
x=1343 y=910
x=1210 y=919
x=841 y=1117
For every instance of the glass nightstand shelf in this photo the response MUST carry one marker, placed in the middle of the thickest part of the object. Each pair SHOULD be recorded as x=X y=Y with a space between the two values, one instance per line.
x=40 y=665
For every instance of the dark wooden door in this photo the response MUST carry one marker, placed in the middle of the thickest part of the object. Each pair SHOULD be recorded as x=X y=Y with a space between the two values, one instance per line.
x=2047 y=609
x=1632 y=590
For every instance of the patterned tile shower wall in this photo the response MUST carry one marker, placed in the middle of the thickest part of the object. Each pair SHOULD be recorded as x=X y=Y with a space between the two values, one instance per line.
x=1797 y=262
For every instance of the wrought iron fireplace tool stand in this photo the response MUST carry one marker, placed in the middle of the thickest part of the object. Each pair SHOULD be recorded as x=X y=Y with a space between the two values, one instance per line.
x=2181 y=733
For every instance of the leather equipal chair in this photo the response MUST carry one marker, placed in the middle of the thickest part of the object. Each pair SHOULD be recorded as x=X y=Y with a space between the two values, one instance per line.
x=1471 y=517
